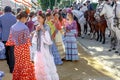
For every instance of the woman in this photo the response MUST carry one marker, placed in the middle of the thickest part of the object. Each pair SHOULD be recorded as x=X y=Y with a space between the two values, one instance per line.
x=45 y=68
x=19 y=38
x=54 y=49
x=58 y=35
x=30 y=23
x=70 y=38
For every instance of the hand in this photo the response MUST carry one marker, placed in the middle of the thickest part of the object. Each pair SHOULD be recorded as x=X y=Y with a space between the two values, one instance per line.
x=39 y=27
x=67 y=30
x=53 y=35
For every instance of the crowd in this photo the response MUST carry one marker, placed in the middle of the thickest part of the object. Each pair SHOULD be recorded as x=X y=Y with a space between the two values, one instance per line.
x=33 y=43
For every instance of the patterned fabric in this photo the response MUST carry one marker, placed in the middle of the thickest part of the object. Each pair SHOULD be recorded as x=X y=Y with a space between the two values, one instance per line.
x=19 y=35
x=71 y=42
x=23 y=69
x=59 y=44
x=58 y=39
x=2 y=51
x=53 y=47
x=56 y=55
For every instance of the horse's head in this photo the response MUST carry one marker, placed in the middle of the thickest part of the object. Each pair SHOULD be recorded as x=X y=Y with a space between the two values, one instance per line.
x=102 y=9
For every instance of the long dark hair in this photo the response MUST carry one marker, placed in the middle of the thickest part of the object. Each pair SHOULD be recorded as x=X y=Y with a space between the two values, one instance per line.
x=40 y=13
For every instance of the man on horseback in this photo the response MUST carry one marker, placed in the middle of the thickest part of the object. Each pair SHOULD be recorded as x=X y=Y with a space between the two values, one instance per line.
x=89 y=5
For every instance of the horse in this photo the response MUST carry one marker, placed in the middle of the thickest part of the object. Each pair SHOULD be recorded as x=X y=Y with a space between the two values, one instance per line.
x=107 y=11
x=117 y=25
x=80 y=19
x=90 y=21
x=100 y=27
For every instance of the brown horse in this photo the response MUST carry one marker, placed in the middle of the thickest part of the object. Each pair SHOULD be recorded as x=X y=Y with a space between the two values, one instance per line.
x=89 y=15
x=100 y=27
x=97 y=26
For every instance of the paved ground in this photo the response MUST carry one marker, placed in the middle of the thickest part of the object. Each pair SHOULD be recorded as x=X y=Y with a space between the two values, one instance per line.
x=85 y=69
x=100 y=53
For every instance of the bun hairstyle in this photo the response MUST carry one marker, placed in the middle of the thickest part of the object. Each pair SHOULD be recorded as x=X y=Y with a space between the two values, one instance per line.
x=70 y=11
x=40 y=13
x=48 y=13
x=54 y=13
x=23 y=14
x=31 y=14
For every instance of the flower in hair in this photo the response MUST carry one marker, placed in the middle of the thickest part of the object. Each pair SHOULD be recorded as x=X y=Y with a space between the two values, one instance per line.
x=27 y=11
x=48 y=10
x=69 y=10
x=40 y=12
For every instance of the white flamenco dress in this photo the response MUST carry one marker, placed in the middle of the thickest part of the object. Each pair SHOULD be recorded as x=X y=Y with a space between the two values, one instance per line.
x=45 y=68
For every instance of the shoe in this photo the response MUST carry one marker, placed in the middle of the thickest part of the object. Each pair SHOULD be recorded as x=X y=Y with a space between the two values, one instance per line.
x=113 y=49
x=116 y=52
x=109 y=50
x=11 y=70
x=63 y=59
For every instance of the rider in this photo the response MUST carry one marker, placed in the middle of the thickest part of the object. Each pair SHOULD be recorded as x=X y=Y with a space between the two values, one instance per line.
x=89 y=5
x=110 y=2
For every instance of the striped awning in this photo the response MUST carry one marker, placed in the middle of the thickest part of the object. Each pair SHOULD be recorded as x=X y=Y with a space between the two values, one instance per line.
x=24 y=2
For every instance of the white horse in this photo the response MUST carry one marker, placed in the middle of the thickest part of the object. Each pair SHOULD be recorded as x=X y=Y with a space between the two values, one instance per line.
x=80 y=17
x=108 y=12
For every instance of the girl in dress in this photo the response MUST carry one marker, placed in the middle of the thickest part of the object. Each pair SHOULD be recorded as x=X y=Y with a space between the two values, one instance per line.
x=58 y=35
x=19 y=38
x=45 y=68
x=70 y=38
x=54 y=49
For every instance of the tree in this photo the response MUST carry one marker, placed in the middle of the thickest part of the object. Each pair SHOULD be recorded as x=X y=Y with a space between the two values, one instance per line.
x=45 y=4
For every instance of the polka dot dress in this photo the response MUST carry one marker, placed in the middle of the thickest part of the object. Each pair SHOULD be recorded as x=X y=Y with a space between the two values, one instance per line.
x=24 y=68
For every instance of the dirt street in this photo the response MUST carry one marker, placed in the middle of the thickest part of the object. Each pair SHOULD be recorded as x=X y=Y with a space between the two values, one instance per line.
x=85 y=69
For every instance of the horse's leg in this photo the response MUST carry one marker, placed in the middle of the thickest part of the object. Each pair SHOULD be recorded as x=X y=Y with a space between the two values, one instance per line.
x=92 y=33
x=103 y=29
x=79 y=28
x=103 y=36
x=85 y=27
x=100 y=36
x=88 y=24
x=109 y=33
x=97 y=36
x=113 y=41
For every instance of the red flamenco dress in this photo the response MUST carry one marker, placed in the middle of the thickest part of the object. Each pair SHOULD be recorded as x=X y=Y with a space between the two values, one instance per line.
x=19 y=37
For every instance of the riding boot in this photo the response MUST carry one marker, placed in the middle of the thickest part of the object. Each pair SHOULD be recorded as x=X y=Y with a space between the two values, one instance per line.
x=118 y=47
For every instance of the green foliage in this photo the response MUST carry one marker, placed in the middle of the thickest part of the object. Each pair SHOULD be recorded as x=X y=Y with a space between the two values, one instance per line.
x=45 y=4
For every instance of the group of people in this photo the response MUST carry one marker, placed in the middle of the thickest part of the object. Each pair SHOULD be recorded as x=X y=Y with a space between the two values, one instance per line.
x=36 y=42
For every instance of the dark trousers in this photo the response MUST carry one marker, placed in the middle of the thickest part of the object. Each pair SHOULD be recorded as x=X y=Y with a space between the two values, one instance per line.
x=10 y=56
